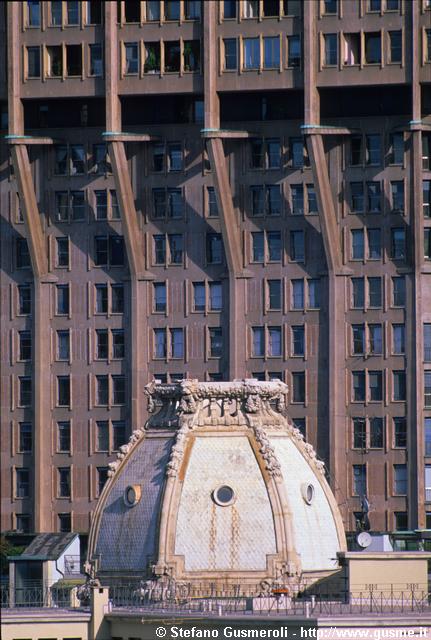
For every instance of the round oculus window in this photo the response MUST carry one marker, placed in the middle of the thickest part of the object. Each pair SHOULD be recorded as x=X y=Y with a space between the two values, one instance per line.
x=132 y=495
x=224 y=495
x=307 y=491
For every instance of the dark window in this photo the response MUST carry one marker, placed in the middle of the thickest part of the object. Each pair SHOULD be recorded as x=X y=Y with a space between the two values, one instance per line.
x=298 y=384
x=274 y=246
x=199 y=296
x=101 y=298
x=427 y=243
x=331 y=49
x=330 y=6
x=22 y=522
x=25 y=345
x=274 y=341
x=312 y=200
x=102 y=476
x=118 y=433
x=359 y=433
x=427 y=388
x=251 y=53
x=216 y=342
x=22 y=489
x=62 y=252
x=177 y=343
x=292 y=7
x=399 y=291
x=427 y=342
x=229 y=9
x=375 y=382
x=117 y=298
x=56 y=13
x=96 y=60
x=102 y=435
x=398 y=243
x=94 y=12
x=25 y=437
x=55 y=61
x=258 y=247
x=230 y=53
x=359 y=479
x=396 y=151
x=400 y=433
x=293 y=51
x=376 y=433
x=152 y=58
x=357 y=244
x=258 y=347
x=175 y=241
x=118 y=347
x=63 y=436
x=63 y=391
x=212 y=202
x=160 y=343
x=101 y=162
x=271 y=52
x=400 y=479
x=102 y=390
x=297 y=294
x=313 y=293
x=215 y=296
x=398 y=338
x=426 y=198
x=374 y=237
x=399 y=385
x=72 y=12
x=274 y=294
x=191 y=55
x=297 y=152
x=373 y=48
x=62 y=299
x=214 y=248
x=271 y=8
x=396 y=46
x=297 y=199
x=132 y=11
x=101 y=251
x=131 y=57
x=297 y=246
x=64 y=482
x=355 y=150
x=175 y=156
x=102 y=348
x=118 y=390
x=33 y=8
x=358 y=293
x=375 y=338
x=298 y=341
x=116 y=251
x=24 y=299
x=172 y=10
x=375 y=292
x=374 y=198
x=358 y=334
x=159 y=289
x=64 y=522
x=172 y=56
x=397 y=195
x=192 y=9
x=175 y=203
x=22 y=254
x=401 y=521
x=33 y=62
x=358 y=379
x=73 y=60
x=427 y=436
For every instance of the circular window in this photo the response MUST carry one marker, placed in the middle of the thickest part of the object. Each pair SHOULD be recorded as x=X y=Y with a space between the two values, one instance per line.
x=224 y=495
x=307 y=491
x=132 y=495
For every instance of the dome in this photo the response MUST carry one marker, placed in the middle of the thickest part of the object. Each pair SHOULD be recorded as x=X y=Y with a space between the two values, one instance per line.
x=218 y=486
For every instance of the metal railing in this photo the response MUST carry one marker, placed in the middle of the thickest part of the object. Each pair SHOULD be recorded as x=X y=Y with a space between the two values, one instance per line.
x=38 y=594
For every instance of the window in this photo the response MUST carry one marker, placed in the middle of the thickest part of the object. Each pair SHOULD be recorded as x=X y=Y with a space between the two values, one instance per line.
x=297 y=199
x=94 y=12
x=118 y=346
x=274 y=246
x=374 y=5
x=64 y=522
x=63 y=345
x=427 y=388
x=55 y=61
x=101 y=162
x=131 y=58
x=376 y=433
x=214 y=248
x=426 y=151
x=152 y=59
x=331 y=49
x=265 y=154
x=229 y=9
x=56 y=13
x=313 y=293
x=358 y=293
x=101 y=298
x=172 y=10
x=251 y=53
x=357 y=244
x=73 y=60
x=374 y=197
x=359 y=433
x=397 y=196
x=399 y=385
x=192 y=9
x=215 y=296
x=102 y=390
x=359 y=479
x=177 y=343
x=400 y=432
x=427 y=342
x=427 y=483
x=427 y=45
x=72 y=12
x=427 y=436
x=175 y=156
x=108 y=251
x=311 y=200
x=215 y=342
x=297 y=152
x=22 y=483
x=293 y=52
x=271 y=53
x=172 y=56
x=102 y=435
x=251 y=9
x=70 y=205
x=118 y=434
x=298 y=386
x=212 y=203
x=102 y=345
x=374 y=244
x=230 y=54
x=22 y=523
x=398 y=243
x=396 y=148
x=375 y=292
x=299 y=423
x=329 y=6
x=357 y=196
x=22 y=254
x=63 y=391
x=117 y=298
x=355 y=150
x=274 y=295
x=62 y=299
x=25 y=444
x=33 y=62
x=33 y=14
x=352 y=49
x=358 y=336
x=191 y=55
x=426 y=197
x=265 y=200
x=96 y=60
x=358 y=380
x=375 y=383
x=395 y=46
x=375 y=339
x=398 y=291
x=258 y=343
x=63 y=437
x=160 y=349
x=24 y=300
x=62 y=253
x=298 y=340
x=159 y=296
x=102 y=476
x=118 y=390
x=297 y=246
x=372 y=149
x=63 y=482
x=400 y=479
x=297 y=294
x=398 y=338
x=373 y=48
x=427 y=243
x=199 y=296
x=392 y=5
x=274 y=341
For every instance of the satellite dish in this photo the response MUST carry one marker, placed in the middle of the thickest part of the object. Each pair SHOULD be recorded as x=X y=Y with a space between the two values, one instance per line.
x=363 y=539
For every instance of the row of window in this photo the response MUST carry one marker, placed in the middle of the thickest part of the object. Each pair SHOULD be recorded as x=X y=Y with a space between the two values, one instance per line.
x=109 y=344
x=110 y=391
x=63 y=486
x=360 y=484
x=109 y=299
x=63 y=60
x=357 y=49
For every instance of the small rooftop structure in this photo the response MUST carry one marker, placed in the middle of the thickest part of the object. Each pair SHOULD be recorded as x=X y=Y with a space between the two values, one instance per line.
x=47 y=546
x=217 y=488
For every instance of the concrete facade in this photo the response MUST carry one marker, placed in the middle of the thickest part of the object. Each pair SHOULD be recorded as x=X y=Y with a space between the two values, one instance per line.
x=324 y=277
